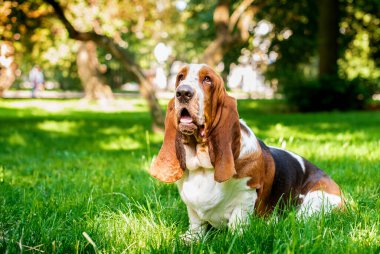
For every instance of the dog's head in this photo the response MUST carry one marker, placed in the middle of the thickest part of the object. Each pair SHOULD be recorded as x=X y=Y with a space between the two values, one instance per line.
x=201 y=109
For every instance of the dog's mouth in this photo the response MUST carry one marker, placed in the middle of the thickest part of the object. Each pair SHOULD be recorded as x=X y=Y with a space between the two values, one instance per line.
x=189 y=126
x=185 y=117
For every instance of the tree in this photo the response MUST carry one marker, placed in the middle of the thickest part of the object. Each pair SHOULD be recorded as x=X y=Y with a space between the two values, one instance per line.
x=231 y=30
x=90 y=73
x=123 y=55
x=218 y=28
x=37 y=39
x=311 y=70
x=328 y=34
x=7 y=66
x=32 y=27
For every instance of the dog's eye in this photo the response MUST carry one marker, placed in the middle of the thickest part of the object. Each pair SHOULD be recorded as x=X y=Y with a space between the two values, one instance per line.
x=207 y=80
x=180 y=77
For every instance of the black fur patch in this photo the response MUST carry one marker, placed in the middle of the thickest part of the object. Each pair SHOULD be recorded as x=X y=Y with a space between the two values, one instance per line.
x=288 y=179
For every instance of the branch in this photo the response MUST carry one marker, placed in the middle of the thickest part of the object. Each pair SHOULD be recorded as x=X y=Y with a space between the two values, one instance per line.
x=237 y=13
x=221 y=17
x=102 y=40
x=122 y=54
x=73 y=33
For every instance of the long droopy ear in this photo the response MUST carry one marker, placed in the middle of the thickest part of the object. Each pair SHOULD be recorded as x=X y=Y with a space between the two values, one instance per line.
x=224 y=140
x=169 y=165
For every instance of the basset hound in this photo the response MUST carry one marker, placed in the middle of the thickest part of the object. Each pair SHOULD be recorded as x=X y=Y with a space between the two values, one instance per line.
x=223 y=172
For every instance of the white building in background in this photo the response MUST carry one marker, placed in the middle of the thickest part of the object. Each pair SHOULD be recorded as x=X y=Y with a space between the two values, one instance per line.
x=246 y=78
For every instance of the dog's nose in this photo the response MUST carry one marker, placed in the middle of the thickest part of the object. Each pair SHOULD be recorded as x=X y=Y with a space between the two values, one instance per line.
x=184 y=93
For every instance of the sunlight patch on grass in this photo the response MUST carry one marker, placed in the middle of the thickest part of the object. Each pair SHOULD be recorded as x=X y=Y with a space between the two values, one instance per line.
x=133 y=129
x=368 y=236
x=2 y=174
x=16 y=139
x=125 y=138
x=328 y=145
x=111 y=130
x=132 y=230
x=114 y=106
x=304 y=133
x=121 y=143
x=59 y=106
x=65 y=127
x=36 y=106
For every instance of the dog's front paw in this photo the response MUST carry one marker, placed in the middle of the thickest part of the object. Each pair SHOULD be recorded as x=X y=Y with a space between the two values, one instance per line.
x=191 y=236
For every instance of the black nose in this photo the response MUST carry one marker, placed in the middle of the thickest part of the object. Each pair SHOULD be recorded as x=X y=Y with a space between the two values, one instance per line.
x=184 y=93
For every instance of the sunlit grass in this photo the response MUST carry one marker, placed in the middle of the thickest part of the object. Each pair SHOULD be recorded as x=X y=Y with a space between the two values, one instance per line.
x=74 y=179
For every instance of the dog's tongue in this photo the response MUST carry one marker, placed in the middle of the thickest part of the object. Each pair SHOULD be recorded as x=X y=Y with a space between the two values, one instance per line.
x=186 y=119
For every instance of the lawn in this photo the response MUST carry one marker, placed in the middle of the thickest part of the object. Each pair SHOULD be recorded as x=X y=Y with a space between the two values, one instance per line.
x=74 y=180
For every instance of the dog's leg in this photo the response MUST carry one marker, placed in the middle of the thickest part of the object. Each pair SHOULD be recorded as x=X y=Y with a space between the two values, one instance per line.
x=197 y=227
x=240 y=214
x=318 y=201
x=238 y=218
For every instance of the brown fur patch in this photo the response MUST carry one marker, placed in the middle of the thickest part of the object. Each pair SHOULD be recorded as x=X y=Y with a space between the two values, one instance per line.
x=224 y=141
x=180 y=150
x=214 y=98
x=169 y=164
x=184 y=70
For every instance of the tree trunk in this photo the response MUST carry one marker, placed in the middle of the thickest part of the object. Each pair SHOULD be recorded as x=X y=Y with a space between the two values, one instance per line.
x=7 y=66
x=95 y=87
x=146 y=87
x=328 y=32
x=225 y=24
x=124 y=56
x=215 y=51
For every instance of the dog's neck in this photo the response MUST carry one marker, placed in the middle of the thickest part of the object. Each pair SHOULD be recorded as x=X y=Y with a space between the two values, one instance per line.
x=193 y=140
x=195 y=153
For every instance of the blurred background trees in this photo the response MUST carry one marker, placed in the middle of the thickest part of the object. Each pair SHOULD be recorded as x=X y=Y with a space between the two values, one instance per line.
x=315 y=67
x=320 y=55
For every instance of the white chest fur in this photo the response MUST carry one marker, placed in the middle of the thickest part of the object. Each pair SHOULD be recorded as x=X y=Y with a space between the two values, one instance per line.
x=197 y=157
x=208 y=200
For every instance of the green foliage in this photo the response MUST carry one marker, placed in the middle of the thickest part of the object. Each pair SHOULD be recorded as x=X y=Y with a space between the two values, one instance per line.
x=301 y=18
x=296 y=69
x=66 y=170
x=360 y=40
x=199 y=30
x=40 y=37
x=327 y=93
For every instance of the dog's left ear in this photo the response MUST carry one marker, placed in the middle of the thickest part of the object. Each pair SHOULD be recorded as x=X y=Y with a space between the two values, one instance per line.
x=224 y=140
x=170 y=162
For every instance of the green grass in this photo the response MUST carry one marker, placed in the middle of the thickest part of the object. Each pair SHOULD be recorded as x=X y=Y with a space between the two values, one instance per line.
x=74 y=179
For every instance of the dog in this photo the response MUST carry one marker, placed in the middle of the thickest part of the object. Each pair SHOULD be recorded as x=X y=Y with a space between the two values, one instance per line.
x=223 y=172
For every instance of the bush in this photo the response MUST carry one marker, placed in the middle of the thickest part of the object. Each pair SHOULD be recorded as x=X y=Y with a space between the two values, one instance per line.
x=327 y=93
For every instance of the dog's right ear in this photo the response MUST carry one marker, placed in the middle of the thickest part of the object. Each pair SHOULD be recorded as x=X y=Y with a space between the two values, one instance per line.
x=169 y=165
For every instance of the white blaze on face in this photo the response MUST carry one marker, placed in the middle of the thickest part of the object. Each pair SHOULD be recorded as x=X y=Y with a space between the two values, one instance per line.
x=192 y=79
